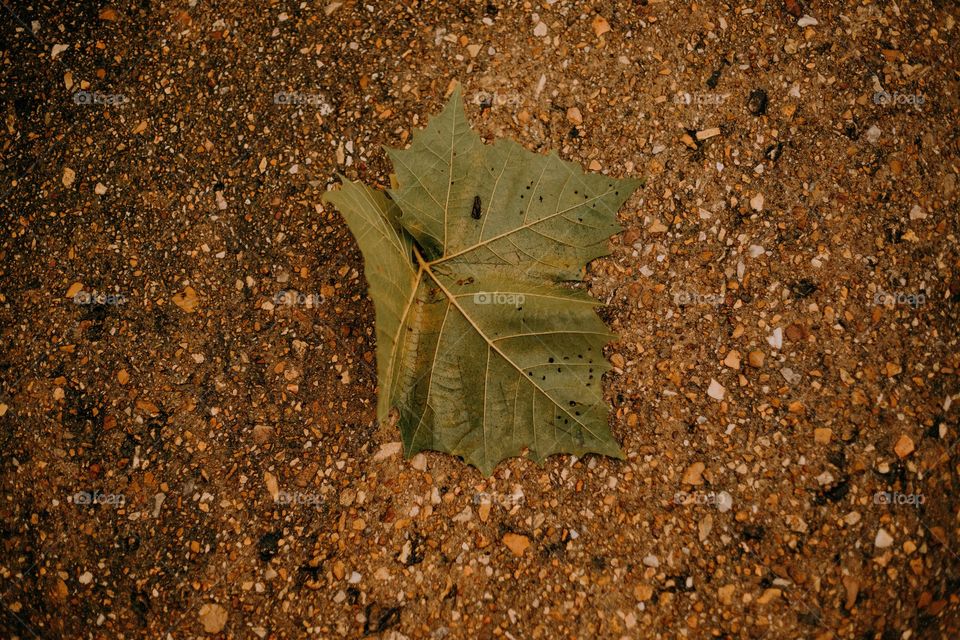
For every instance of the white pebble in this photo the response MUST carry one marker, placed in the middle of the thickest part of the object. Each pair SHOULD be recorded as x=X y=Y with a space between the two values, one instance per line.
x=883 y=539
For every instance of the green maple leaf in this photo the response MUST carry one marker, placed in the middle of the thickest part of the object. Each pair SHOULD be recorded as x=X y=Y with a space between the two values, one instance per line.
x=482 y=345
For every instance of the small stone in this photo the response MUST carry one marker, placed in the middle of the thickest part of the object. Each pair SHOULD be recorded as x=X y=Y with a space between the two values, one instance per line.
x=704 y=527
x=793 y=8
x=419 y=462
x=904 y=446
x=3 y=409
x=775 y=339
x=757 y=102
x=769 y=595
x=797 y=524
x=187 y=300
x=595 y=165
x=893 y=369
x=69 y=175
x=756 y=250
x=873 y=134
x=600 y=26
x=540 y=30
x=643 y=592
x=883 y=539
x=694 y=474
x=270 y=481
x=122 y=376
x=108 y=14
x=724 y=502
x=725 y=594
x=262 y=434
x=86 y=577
x=474 y=50
x=716 y=390
x=706 y=134
x=574 y=115
x=651 y=561
x=74 y=289
x=483 y=511
x=517 y=543
x=100 y=189
x=756 y=202
x=617 y=360
x=657 y=227
x=733 y=359
x=852 y=586
x=755 y=359
x=213 y=617
x=790 y=375
x=822 y=435
x=57 y=50
x=807 y=21
x=388 y=450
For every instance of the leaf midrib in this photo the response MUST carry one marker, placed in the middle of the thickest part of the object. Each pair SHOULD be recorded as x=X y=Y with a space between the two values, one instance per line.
x=425 y=269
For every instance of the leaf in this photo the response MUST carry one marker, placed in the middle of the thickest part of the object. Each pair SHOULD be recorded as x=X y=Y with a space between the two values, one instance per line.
x=482 y=344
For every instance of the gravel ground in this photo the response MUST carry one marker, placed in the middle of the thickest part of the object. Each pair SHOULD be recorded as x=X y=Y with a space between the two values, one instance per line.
x=187 y=388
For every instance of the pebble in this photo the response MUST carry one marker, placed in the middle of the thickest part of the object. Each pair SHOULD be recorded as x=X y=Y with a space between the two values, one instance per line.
x=724 y=502
x=213 y=617
x=873 y=134
x=540 y=30
x=756 y=202
x=757 y=102
x=651 y=561
x=883 y=539
x=904 y=446
x=716 y=390
x=643 y=592
x=822 y=435
x=755 y=359
x=574 y=115
x=517 y=543
x=69 y=175
x=694 y=474
x=600 y=26
x=270 y=481
x=769 y=595
x=187 y=300
x=706 y=134
x=790 y=375
x=388 y=450
x=775 y=339
x=807 y=21
x=85 y=578
x=262 y=434
x=733 y=359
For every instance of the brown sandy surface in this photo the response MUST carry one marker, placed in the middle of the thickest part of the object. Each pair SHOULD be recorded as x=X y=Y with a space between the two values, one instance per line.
x=187 y=389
